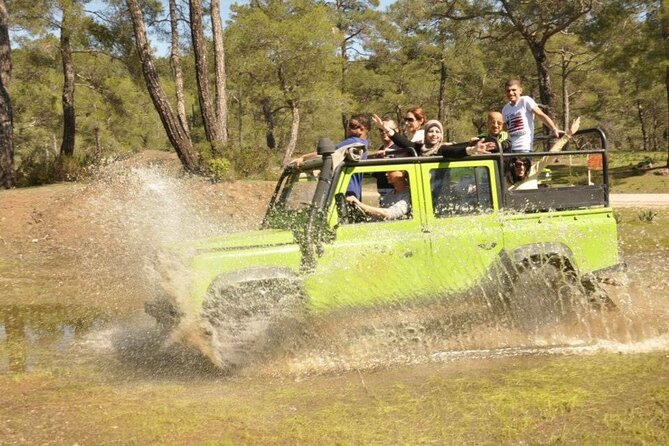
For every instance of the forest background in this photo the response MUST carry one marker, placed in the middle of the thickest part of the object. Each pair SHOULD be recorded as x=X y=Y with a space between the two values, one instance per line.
x=81 y=84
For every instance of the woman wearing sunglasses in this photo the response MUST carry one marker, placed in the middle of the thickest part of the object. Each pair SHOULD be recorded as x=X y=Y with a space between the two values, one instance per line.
x=414 y=120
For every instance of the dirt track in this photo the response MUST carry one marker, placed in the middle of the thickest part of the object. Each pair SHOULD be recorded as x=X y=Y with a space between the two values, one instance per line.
x=639 y=200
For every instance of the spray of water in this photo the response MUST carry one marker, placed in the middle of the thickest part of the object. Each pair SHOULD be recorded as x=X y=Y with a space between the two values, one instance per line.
x=145 y=208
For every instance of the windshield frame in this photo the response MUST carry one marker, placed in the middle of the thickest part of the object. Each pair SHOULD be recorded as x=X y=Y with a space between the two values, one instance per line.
x=281 y=210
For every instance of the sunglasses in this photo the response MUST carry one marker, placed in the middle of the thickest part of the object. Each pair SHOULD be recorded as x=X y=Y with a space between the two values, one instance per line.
x=409 y=119
x=354 y=126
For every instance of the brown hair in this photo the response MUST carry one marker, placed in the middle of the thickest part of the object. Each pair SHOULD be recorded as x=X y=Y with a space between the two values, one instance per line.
x=512 y=82
x=363 y=119
x=418 y=113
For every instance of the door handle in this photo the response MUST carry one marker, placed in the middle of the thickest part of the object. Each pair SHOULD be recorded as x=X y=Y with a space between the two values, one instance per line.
x=488 y=245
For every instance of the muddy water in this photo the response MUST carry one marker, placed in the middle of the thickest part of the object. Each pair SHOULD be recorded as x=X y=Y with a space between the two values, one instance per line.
x=37 y=337
x=444 y=331
x=44 y=337
x=149 y=209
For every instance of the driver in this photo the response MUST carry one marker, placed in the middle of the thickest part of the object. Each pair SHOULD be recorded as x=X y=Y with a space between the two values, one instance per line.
x=394 y=205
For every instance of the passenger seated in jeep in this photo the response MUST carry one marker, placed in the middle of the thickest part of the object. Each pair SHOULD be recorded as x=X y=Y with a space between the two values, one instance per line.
x=517 y=170
x=394 y=205
x=357 y=134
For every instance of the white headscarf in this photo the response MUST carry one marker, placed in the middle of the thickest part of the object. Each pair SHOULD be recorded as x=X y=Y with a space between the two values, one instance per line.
x=427 y=148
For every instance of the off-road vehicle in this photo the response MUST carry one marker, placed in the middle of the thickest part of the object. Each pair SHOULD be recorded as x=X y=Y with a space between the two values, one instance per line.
x=466 y=232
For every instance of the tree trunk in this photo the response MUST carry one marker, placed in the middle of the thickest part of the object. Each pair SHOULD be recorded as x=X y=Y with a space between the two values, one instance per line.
x=294 y=129
x=664 y=19
x=443 y=75
x=175 y=63
x=176 y=133
x=564 y=74
x=344 y=69
x=642 y=121
x=212 y=130
x=269 y=121
x=546 y=94
x=666 y=84
x=219 y=63
x=69 y=116
x=7 y=176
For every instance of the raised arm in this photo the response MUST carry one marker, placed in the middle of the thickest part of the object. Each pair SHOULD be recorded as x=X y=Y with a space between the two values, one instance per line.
x=399 y=139
x=461 y=150
x=547 y=120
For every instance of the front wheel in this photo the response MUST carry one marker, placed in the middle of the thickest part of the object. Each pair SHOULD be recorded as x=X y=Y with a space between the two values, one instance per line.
x=248 y=321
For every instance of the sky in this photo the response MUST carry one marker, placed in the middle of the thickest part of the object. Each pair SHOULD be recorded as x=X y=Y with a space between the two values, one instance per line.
x=162 y=47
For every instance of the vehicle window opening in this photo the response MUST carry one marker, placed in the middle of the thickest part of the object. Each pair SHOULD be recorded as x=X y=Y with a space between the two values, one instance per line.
x=377 y=191
x=460 y=191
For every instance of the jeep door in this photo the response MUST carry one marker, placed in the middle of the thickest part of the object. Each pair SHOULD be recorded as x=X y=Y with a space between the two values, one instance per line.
x=462 y=221
x=371 y=261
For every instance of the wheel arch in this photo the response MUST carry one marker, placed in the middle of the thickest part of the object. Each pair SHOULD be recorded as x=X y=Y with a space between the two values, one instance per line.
x=515 y=260
x=254 y=274
x=552 y=252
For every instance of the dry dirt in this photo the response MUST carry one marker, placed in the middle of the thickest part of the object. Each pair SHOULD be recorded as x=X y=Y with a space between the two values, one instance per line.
x=100 y=233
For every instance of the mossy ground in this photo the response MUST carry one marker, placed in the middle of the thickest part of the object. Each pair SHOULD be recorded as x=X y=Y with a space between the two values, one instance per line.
x=599 y=399
x=602 y=398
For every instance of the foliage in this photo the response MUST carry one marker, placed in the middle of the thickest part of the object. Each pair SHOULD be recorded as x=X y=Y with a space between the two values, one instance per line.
x=219 y=169
x=647 y=215
x=338 y=58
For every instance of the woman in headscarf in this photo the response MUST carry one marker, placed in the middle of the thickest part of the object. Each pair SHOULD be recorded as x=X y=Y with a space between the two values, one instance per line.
x=434 y=141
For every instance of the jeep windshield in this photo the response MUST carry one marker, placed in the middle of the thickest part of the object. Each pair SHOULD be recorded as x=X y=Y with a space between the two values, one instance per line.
x=293 y=195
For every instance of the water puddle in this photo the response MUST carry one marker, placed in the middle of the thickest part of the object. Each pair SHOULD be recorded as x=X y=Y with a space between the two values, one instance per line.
x=36 y=337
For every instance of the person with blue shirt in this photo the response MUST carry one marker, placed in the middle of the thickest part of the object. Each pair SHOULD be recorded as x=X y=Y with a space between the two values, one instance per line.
x=357 y=133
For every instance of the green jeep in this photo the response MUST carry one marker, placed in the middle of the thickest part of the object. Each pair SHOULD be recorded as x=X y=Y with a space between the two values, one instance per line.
x=466 y=234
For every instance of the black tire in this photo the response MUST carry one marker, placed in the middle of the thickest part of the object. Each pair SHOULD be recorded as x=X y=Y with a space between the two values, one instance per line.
x=543 y=293
x=248 y=321
x=165 y=311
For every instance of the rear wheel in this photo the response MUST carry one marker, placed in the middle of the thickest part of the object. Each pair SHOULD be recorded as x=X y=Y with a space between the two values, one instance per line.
x=542 y=293
x=546 y=290
x=248 y=321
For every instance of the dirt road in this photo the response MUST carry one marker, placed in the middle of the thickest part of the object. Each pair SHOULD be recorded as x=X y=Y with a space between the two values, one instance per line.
x=639 y=200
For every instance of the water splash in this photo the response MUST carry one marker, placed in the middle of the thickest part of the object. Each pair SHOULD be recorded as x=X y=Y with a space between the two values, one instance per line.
x=145 y=208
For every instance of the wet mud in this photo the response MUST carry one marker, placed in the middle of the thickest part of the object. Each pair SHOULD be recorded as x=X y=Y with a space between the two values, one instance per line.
x=133 y=214
x=40 y=337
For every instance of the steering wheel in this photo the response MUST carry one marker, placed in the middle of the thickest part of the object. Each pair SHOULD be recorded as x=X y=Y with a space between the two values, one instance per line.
x=355 y=214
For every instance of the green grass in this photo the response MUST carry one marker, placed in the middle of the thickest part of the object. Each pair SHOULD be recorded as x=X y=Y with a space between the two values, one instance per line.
x=600 y=399
x=625 y=178
x=638 y=235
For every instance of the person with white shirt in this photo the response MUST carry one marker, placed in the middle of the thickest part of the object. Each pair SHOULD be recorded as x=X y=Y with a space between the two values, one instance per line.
x=519 y=117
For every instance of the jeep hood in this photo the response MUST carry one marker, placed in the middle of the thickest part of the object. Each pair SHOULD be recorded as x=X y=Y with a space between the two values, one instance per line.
x=232 y=242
